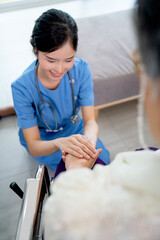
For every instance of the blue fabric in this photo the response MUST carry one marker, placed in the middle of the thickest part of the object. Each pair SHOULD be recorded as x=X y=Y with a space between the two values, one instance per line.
x=26 y=100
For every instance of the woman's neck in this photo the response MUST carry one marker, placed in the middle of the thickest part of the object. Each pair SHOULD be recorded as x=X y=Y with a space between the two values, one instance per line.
x=45 y=80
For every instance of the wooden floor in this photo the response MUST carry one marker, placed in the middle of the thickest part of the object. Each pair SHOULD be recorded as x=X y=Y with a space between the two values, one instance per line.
x=118 y=131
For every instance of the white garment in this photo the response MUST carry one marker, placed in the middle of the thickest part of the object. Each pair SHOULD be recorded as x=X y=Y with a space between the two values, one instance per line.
x=117 y=201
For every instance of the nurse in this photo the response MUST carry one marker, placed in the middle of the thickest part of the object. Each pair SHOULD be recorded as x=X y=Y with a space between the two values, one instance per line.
x=50 y=92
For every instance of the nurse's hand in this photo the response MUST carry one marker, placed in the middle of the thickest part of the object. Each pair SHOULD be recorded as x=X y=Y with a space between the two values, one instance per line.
x=72 y=162
x=77 y=145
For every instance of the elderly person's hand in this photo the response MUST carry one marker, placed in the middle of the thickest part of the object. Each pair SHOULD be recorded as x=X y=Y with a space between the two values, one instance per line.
x=72 y=162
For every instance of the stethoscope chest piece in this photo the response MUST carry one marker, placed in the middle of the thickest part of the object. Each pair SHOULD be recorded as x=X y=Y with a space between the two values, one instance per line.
x=74 y=118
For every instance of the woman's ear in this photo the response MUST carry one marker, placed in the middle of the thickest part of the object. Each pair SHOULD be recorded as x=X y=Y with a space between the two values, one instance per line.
x=35 y=51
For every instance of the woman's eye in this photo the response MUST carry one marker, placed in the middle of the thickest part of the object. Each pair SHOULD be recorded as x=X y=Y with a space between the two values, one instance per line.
x=51 y=61
x=68 y=60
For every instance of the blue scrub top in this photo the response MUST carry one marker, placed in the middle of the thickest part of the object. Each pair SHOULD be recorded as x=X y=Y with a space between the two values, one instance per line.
x=26 y=100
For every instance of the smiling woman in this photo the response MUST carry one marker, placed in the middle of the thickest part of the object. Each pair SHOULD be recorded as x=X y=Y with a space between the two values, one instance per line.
x=54 y=65
x=49 y=93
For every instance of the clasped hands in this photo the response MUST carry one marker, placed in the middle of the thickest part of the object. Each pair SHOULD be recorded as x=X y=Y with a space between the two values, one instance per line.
x=78 y=151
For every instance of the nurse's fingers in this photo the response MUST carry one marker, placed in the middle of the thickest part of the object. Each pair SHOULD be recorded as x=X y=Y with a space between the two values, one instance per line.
x=86 y=147
x=73 y=153
x=92 y=161
x=83 y=142
x=79 y=151
x=99 y=151
x=78 y=146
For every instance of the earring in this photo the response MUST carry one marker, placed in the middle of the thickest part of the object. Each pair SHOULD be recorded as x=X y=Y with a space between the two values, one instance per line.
x=35 y=51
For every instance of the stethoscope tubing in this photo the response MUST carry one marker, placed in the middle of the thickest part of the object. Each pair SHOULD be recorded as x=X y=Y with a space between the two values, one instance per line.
x=74 y=117
x=73 y=98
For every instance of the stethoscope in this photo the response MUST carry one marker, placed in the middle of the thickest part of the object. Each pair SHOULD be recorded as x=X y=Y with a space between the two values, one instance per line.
x=74 y=117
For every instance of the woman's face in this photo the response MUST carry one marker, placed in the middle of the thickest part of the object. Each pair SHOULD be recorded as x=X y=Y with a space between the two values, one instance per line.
x=152 y=108
x=53 y=66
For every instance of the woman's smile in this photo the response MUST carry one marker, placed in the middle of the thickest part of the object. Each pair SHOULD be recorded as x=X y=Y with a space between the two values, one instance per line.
x=56 y=75
x=54 y=65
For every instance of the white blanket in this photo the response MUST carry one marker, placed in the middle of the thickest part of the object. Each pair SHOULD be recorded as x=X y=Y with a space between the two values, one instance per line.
x=120 y=201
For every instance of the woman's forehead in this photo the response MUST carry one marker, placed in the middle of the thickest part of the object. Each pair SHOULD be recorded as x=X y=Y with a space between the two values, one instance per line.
x=64 y=52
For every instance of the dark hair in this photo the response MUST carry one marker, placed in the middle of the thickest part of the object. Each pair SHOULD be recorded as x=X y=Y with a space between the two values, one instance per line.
x=147 y=23
x=52 y=29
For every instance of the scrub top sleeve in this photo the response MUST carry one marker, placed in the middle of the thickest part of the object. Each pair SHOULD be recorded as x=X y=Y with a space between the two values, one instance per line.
x=23 y=106
x=86 y=95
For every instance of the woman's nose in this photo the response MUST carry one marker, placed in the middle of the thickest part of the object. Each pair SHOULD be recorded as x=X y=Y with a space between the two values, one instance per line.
x=59 y=68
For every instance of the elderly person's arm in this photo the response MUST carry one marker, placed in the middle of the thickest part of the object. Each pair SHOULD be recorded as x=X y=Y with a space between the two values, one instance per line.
x=72 y=162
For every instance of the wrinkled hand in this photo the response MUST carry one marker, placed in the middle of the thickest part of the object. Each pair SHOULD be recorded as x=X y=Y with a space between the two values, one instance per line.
x=72 y=162
x=77 y=145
